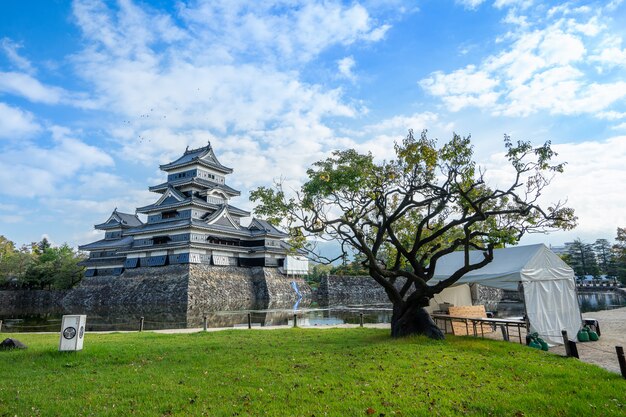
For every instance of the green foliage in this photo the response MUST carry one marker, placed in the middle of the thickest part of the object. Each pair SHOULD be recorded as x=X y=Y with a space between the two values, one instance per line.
x=619 y=254
x=401 y=216
x=317 y=272
x=297 y=372
x=582 y=259
x=40 y=266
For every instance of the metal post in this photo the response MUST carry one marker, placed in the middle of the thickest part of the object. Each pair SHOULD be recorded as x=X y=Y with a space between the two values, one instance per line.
x=573 y=349
x=295 y=320
x=505 y=332
x=360 y=319
x=621 y=359
x=0 y=325
x=568 y=353
x=141 y=324
x=249 y=320
x=205 y=324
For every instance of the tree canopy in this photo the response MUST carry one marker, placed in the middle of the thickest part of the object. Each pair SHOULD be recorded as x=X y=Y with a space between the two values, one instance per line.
x=401 y=216
x=39 y=266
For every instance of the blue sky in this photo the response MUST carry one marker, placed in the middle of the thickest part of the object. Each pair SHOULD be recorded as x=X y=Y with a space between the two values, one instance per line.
x=95 y=95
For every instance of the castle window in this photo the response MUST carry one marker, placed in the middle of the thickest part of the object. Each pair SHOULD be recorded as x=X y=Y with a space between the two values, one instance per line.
x=169 y=214
x=160 y=240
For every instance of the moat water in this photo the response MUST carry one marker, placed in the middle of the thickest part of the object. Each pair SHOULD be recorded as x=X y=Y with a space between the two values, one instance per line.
x=309 y=314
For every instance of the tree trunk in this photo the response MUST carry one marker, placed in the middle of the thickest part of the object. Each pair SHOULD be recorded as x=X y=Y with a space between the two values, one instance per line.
x=413 y=320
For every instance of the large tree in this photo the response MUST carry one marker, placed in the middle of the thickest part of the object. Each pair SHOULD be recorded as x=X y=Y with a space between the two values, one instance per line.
x=619 y=253
x=402 y=216
x=605 y=257
x=582 y=259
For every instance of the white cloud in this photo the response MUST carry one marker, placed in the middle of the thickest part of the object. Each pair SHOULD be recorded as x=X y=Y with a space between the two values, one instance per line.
x=462 y=88
x=543 y=67
x=16 y=123
x=522 y=4
x=12 y=218
x=612 y=115
x=238 y=79
x=30 y=171
x=10 y=49
x=470 y=4
x=610 y=54
x=293 y=31
x=30 y=88
x=401 y=124
x=558 y=48
x=588 y=185
x=345 y=66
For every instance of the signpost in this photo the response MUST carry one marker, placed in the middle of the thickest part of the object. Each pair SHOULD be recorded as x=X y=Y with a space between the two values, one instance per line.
x=72 y=333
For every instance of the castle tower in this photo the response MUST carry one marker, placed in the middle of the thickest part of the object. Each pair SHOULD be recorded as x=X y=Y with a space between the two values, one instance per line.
x=192 y=221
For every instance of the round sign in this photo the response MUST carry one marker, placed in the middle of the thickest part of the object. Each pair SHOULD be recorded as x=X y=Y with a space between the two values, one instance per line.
x=69 y=332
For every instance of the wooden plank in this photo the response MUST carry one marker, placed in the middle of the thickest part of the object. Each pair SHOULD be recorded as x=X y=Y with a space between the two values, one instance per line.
x=459 y=328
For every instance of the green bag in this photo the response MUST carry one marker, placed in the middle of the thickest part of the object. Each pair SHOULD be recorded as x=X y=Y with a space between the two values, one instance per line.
x=593 y=336
x=534 y=344
x=543 y=344
x=583 y=335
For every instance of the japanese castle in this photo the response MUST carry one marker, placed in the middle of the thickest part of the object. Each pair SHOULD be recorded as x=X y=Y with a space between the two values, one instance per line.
x=191 y=223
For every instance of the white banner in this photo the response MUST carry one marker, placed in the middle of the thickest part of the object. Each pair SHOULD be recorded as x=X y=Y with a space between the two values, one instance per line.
x=220 y=260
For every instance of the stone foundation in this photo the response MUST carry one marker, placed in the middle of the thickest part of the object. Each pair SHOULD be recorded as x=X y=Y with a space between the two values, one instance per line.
x=362 y=289
x=35 y=301
x=175 y=290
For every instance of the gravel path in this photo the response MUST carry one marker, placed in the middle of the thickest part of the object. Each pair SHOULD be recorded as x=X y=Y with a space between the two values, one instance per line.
x=602 y=353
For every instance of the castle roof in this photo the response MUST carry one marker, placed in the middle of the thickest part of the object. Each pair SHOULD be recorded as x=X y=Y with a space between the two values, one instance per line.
x=189 y=201
x=264 y=226
x=203 y=156
x=201 y=182
x=108 y=244
x=210 y=224
x=119 y=219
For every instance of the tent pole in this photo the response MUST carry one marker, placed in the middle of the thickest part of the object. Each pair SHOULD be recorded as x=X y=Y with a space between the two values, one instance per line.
x=521 y=289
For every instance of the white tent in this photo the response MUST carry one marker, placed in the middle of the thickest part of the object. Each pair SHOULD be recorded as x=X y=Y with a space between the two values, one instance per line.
x=548 y=285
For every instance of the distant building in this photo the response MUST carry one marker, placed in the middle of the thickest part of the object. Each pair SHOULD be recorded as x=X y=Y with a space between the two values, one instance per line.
x=191 y=222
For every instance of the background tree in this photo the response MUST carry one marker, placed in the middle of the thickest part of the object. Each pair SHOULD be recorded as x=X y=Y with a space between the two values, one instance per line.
x=402 y=216
x=619 y=252
x=7 y=255
x=582 y=259
x=605 y=257
x=39 y=266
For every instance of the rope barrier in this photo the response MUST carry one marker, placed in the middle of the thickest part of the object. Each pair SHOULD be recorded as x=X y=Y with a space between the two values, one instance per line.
x=19 y=326
x=111 y=324
x=263 y=317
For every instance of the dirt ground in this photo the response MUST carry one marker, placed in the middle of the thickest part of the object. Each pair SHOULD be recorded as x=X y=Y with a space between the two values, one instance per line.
x=602 y=353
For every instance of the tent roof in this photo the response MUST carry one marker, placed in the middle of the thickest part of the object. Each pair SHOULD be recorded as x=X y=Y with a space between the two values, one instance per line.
x=509 y=267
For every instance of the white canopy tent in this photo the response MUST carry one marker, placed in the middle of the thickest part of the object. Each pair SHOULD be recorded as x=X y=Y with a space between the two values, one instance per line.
x=548 y=285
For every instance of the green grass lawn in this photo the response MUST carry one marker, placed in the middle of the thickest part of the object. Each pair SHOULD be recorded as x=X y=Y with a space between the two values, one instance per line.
x=299 y=372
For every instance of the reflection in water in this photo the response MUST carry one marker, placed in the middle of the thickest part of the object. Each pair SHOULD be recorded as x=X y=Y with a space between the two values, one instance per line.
x=235 y=314
x=164 y=317
x=595 y=301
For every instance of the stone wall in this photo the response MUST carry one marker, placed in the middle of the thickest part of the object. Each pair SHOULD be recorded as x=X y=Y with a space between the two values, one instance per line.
x=220 y=288
x=186 y=292
x=33 y=301
x=134 y=289
x=280 y=287
x=487 y=296
x=341 y=289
